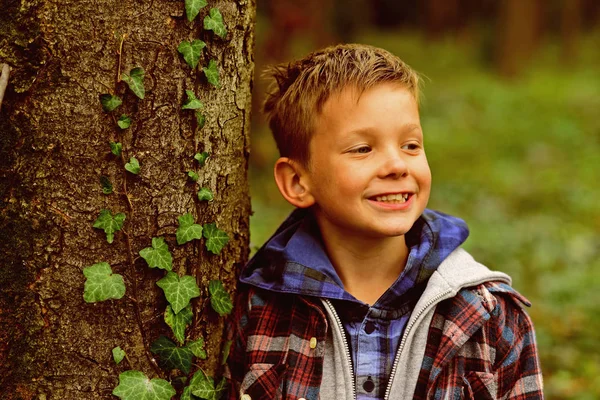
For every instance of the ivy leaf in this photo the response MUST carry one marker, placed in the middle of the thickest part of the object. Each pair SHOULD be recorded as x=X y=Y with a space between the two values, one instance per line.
x=124 y=122
x=200 y=119
x=134 y=385
x=101 y=284
x=107 y=187
x=158 y=256
x=226 y=350
x=191 y=51
x=179 y=291
x=219 y=298
x=193 y=7
x=201 y=158
x=216 y=239
x=133 y=166
x=205 y=194
x=109 y=223
x=116 y=148
x=197 y=348
x=193 y=176
x=172 y=356
x=178 y=322
x=118 y=354
x=214 y=22
x=110 y=102
x=192 y=102
x=203 y=386
x=212 y=73
x=187 y=394
x=135 y=80
x=188 y=230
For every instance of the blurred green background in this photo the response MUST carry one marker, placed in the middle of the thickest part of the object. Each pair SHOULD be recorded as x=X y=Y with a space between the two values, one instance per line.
x=511 y=116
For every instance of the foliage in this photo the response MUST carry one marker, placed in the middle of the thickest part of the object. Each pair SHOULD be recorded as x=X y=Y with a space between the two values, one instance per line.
x=178 y=322
x=118 y=354
x=203 y=386
x=134 y=385
x=133 y=166
x=201 y=158
x=214 y=22
x=171 y=355
x=135 y=81
x=109 y=223
x=191 y=51
x=216 y=239
x=212 y=73
x=179 y=290
x=158 y=256
x=205 y=194
x=101 y=284
x=107 y=187
x=116 y=148
x=124 y=122
x=193 y=7
x=192 y=102
x=219 y=298
x=188 y=230
x=110 y=102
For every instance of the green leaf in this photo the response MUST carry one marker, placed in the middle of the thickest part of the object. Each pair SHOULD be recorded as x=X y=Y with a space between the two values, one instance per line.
x=101 y=284
x=124 y=122
x=200 y=119
x=216 y=239
x=219 y=298
x=212 y=73
x=193 y=176
x=158 y=256
x=205 y=194
x=107 y=187
x=203 y=386
x=133 y=166
x=172 y=356
x=214 y=22
x=134 y=385
x=191 y=51
x=116 y=148
x=178 y=322
x=192 y=102
x=135 y=80
x=201 y=158
x=118 y=354
x=109 y=223
x=226 y=350
x=188 y=230
x=110 y=102
x=179 y=291
x=187 y=394
x=197 y=348
x=193 y=7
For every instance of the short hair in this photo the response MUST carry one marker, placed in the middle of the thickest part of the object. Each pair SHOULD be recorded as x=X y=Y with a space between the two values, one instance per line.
x=300 y=89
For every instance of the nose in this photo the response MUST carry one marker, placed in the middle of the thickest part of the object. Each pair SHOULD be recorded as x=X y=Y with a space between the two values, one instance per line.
x=393 y=166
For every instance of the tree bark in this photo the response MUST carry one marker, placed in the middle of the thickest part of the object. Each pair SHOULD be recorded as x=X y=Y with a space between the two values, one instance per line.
x=55 y=147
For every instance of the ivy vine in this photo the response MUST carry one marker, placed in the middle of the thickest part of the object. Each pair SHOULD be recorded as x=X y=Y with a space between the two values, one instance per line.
x=102 y=284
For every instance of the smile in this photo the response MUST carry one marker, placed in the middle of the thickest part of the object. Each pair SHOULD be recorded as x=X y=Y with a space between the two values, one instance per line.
x=398 y=198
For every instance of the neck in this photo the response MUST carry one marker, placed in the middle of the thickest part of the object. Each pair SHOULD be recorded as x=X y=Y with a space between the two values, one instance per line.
x=366 y=266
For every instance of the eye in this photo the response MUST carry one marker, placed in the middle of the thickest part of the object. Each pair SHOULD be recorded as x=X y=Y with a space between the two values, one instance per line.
x=412 y=146
x=362 y=150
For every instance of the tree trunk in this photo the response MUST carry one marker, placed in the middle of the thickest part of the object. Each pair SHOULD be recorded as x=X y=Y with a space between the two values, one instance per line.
x=518 y=34
x=55 y=148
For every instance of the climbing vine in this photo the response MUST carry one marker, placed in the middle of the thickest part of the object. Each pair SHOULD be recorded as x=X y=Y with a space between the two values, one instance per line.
x=102 y=284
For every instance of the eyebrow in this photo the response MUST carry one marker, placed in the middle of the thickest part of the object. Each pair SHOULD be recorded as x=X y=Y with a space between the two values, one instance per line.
x=407 y=128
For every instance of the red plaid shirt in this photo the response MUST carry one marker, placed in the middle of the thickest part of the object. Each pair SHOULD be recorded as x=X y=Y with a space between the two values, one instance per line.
x=481 y=345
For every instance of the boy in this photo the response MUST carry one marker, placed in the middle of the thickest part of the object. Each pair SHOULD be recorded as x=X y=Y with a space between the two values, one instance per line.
x=362 y=292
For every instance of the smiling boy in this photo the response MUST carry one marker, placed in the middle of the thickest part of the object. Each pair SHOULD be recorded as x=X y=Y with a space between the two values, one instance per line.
x=363 y=293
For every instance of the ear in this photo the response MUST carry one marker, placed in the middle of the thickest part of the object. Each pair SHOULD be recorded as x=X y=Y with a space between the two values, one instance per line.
x=292 y=181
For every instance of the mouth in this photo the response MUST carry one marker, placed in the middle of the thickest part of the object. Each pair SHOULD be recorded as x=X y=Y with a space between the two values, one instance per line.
x=393 y=198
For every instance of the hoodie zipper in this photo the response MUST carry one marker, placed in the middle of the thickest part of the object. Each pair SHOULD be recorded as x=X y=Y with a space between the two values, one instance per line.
x=345 y=342
x=410 y=325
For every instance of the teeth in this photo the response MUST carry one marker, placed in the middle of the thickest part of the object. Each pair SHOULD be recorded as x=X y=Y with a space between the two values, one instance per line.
x=393 y=198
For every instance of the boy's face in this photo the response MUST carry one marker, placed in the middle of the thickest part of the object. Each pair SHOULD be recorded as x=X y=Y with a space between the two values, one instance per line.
x=368 y=173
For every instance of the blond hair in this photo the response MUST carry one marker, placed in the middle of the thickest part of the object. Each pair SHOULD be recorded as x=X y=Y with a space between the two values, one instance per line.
x=300 y=89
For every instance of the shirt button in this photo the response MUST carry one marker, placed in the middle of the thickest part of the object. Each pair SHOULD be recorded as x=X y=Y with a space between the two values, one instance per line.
x=368 y=385
x=246 y=397
x=369 y=327
x=313 y=343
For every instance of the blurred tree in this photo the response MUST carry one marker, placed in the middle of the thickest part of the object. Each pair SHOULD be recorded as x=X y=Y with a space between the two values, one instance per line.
x=570 y=30
x=518 y=35
x=54 y=149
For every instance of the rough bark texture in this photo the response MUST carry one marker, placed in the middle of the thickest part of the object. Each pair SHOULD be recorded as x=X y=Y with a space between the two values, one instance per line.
x=53 y=151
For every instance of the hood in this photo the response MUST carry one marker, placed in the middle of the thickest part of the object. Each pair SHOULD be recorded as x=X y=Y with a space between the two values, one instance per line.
x=294 y=260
